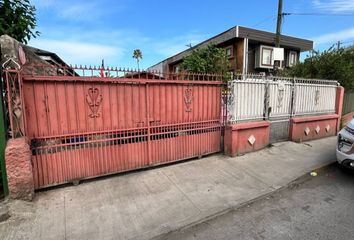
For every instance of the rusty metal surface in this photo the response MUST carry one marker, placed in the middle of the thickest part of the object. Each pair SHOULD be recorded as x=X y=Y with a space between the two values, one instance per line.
x=81 y=125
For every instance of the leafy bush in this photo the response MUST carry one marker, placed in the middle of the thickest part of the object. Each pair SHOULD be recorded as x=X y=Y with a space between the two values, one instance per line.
x=331 y=64
x=207 y=60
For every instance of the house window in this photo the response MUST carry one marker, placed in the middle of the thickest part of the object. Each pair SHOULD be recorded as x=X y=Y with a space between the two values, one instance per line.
x=176 y=69
x=292 y=58
x=228 y=52
x=267 y=56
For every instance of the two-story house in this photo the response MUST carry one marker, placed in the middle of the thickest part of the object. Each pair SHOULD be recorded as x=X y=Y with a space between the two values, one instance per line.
x=249 y=51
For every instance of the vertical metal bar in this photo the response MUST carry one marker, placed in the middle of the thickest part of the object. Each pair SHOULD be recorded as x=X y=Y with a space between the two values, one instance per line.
x=118 y=158
x=20 y=85
x=67 y=108
x=293 y=99
x=47 y=108
x=148 y=122
x=3 y=143
x=266 y=100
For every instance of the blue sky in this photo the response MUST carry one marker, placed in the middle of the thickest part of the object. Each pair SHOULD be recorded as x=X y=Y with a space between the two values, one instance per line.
x=84 y=31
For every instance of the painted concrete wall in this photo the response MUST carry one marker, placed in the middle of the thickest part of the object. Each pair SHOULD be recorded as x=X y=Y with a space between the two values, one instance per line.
x=246 y=137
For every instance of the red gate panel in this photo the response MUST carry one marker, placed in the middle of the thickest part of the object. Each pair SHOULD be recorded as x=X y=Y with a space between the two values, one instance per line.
x=85 y=126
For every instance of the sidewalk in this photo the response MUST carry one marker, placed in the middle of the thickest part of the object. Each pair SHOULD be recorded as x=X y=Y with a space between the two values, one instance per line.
x=146 y=204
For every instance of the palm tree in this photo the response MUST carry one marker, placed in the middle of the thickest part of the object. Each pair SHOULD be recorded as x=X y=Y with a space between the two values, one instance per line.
x=137 y=54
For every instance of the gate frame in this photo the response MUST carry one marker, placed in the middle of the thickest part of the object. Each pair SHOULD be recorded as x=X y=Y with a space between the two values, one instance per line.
x=3 y=137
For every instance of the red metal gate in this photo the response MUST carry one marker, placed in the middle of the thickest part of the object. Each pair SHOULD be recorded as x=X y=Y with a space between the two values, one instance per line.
x=81 y=126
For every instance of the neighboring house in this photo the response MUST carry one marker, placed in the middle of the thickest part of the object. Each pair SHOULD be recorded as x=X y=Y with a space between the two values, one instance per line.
x=249 y=51
x=143 y=75
x=10 y=48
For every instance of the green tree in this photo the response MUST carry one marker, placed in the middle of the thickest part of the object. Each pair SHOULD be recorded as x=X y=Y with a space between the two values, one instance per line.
x=137 y=54
x=207 y=60
x=18 y=19
x=331 y=64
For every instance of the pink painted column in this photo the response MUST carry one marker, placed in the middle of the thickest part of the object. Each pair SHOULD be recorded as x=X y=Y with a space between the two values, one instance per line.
x=19 y=169
x=339 y=105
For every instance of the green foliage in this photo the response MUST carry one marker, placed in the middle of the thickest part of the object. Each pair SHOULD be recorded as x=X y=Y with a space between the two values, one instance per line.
x=331 y=64
x=18 y=19
x=207 y=60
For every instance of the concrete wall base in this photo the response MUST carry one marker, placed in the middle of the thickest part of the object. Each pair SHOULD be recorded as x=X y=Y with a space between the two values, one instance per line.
x=19 y=169
x=246 y=137
x=315 y=127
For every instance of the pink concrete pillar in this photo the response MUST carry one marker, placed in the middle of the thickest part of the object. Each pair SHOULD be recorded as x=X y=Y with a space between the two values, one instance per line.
x=19 y=169
x=339 y=104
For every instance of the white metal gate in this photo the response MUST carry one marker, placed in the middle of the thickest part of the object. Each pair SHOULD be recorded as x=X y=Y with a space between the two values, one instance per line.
x=277 y=99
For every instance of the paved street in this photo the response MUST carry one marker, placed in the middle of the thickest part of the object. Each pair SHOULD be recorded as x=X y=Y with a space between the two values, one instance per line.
x=152 y=203
x=314 y=208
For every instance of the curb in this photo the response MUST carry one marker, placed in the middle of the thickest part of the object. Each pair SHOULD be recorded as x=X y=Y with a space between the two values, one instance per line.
x=294 y=183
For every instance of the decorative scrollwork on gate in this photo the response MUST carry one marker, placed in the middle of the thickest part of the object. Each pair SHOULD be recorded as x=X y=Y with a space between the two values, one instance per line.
x=14 y=104
x=281 y=90
x=188 y=98
x=13 y=98
x=231 y=101
x=94 y=100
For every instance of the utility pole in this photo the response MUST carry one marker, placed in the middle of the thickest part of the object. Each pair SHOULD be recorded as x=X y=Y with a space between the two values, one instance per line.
x=338 y=45
x=279 y=20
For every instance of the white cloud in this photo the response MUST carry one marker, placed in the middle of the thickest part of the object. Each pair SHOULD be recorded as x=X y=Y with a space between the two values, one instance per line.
x=42 y=3
x=334 y=6
x=81 y=12
x=333 y=37
x=78 y=45
x=171 y=46
x=78 y=52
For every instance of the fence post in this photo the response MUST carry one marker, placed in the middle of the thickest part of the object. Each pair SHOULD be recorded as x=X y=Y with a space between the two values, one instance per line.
x=293 y=98
x=2 y=139
x=267 y=108
x=17 y=152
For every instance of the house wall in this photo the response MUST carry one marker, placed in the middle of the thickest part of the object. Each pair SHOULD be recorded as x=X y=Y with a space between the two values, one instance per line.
x=239 y=54
x=252 y=47
x=237 y=58
x=251 y=57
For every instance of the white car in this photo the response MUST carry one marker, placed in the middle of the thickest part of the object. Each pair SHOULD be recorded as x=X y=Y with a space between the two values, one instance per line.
x=345 y=146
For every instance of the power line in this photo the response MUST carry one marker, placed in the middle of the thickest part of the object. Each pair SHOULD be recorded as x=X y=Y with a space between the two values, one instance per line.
x=272 y=17
x=320 y=14
x=347 y=42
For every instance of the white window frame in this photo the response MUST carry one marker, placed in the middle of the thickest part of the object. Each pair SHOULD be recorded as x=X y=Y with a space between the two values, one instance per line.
x=269 y=61
x=231 y=52
x=292 y=58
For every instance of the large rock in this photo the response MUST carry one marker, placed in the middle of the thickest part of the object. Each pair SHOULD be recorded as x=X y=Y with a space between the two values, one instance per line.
x=19 y=169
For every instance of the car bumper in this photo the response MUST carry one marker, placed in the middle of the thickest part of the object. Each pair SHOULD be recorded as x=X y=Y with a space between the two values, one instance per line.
x=345 y=155
x=342 y=156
